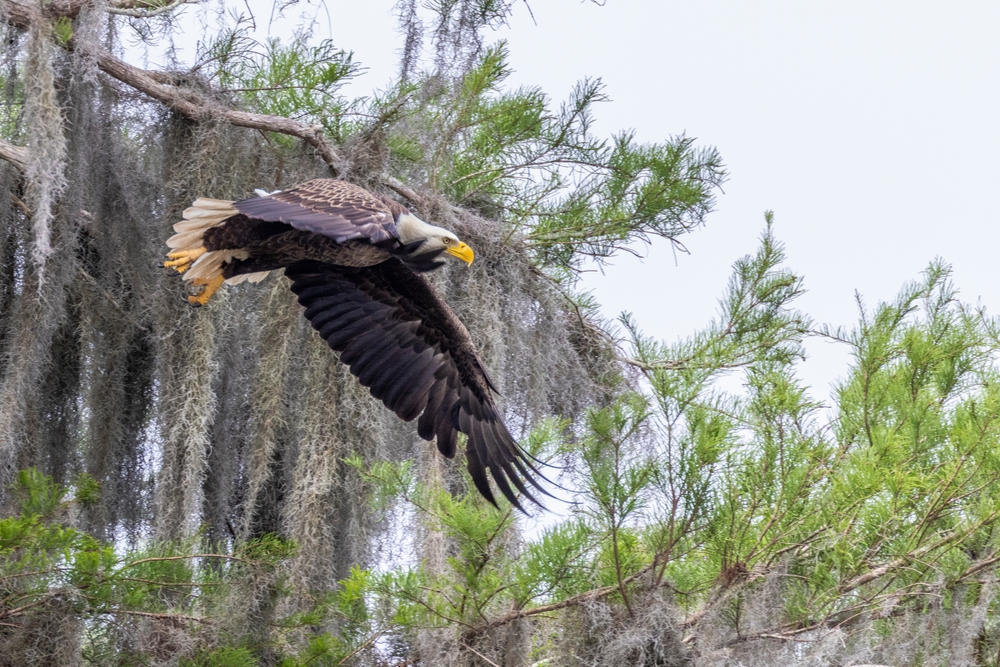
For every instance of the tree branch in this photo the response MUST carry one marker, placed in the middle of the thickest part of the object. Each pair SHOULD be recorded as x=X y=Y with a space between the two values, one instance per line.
x=897 y=563
x=143 y=9
x=162 y=617
x=403 y=190
x=16 y=155
x=184 y=101
x=188 y=103
x=588 y=596
x=184 y=557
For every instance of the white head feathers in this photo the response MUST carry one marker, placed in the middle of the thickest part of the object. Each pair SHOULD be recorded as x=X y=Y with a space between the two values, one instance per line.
x=411 y=228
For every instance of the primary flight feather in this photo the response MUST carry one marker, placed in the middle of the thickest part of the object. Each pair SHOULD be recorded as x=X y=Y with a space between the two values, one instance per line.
x=355 y=259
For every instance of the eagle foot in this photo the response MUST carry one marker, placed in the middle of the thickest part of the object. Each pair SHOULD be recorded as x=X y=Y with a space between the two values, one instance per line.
x=209 y=286
x=181 y=260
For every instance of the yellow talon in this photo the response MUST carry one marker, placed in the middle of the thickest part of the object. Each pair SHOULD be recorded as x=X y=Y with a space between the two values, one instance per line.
x=182 y=259
x=210 y=287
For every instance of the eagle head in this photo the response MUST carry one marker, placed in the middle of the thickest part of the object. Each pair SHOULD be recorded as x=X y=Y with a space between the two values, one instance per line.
x=412 y=229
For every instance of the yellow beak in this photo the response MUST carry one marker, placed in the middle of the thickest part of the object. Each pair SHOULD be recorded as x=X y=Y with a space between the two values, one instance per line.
x=463 y=252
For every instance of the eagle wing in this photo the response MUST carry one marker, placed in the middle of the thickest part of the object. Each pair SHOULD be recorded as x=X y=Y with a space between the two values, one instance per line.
x=407 y=346
x=337 y=209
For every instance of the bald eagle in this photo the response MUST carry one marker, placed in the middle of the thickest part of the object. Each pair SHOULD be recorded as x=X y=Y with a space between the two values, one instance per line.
x=355 y=260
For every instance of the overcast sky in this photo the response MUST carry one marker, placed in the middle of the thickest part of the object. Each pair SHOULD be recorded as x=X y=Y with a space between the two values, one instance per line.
x=871 y=129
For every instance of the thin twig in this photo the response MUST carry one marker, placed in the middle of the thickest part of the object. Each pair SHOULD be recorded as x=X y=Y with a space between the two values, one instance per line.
x=149 y=614
x=188 y=557
x=371 y=640
x=480 y=655
x=92 y=281
x=168 y=584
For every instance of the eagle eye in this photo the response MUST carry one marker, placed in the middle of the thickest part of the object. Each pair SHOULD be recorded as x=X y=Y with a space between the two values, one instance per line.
x=446 y=240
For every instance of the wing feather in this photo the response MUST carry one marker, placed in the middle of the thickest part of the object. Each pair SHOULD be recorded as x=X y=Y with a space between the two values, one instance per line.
x=387 y=361
x=425 y=426
x=410 y=376
x=336 y=209
x=406 y=345
x=447 y=436
x=338 y=336
x=414 y=401
x=383 y=357
x=329 y=309
x=370 y=347
x=478 y=472
x=419 y=390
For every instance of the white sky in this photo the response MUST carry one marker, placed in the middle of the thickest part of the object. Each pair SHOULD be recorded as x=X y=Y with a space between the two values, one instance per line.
x=871 y=129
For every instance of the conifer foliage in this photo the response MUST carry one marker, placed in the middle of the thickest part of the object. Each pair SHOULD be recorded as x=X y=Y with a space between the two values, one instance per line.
x=211 y=487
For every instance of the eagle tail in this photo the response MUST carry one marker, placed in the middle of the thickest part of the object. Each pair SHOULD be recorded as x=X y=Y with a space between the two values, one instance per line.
x=188 y=245
x=200 y=216
x=188 y=254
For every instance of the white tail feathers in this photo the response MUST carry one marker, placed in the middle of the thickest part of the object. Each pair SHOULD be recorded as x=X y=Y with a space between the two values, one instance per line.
x=202 y=215
x=186 y=240
x=207 y=203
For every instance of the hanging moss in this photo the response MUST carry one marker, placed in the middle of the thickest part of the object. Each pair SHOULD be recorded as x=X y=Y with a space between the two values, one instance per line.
x=44 y=174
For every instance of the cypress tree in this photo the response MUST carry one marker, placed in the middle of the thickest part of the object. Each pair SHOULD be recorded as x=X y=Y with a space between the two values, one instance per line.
x=212 y=487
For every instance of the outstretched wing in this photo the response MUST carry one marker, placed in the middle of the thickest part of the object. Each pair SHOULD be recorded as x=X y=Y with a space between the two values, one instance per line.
x=326 y=206
x=406 y=345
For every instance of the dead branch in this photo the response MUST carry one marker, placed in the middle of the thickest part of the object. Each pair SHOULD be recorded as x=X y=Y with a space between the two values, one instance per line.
x=368 y=642
x=168 y=584
x=190 y=104
x=144 y=9
x=16 y=155
x=17 y=611
x=978 y=567
x=184 y=101
x=403 y=190
x=21 y=206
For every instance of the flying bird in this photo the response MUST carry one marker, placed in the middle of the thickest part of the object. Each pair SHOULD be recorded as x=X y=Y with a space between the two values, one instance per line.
x=355 y=259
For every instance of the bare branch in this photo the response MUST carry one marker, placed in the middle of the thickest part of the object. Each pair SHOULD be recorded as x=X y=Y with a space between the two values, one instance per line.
x=143 y=9
x=4 y=613
x=189 y=103
x=404 y=190
x=371 y=640
x=184 y=101
x=16 y=155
